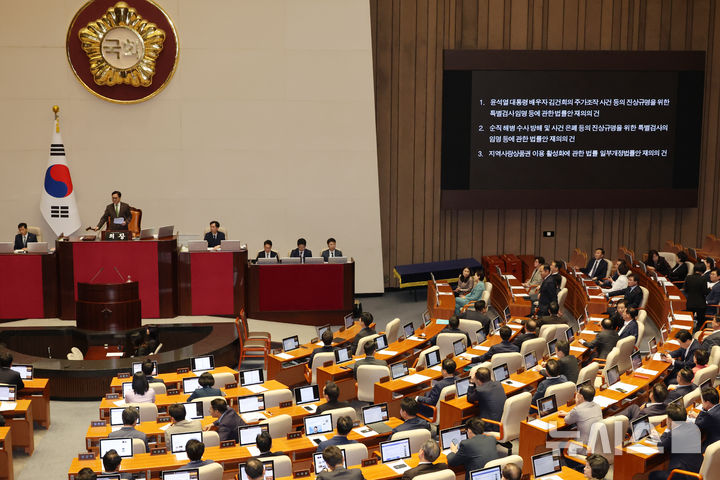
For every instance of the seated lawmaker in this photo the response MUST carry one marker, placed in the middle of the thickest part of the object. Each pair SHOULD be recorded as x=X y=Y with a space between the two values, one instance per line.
x=604 y=341
x=431 y=399
x=205 y=389
x=658 y=263
x=408 y=412
x=682 y=440
x=141 y=391
x=267 y=251
x=429 y=452
x=367 y=319
x=331 y=392
x=263 y=441
x=713 y=298
x=596 y=467
x=344 y=426
x=227 y=422
x=453 y=327
x=488 y=395
x=327 y=339
x=475 y=451
x=179 y=423
x=474 y=295
x=111 y=464
x=369 y=359
x=335 y=470
x=621 y=280
x=23 y=237
x=254 y=469
x=568 y=365
x=632 y=293
x=7 y=374
x=117 y=215
x=505 y=346
x=130 y=419
x=597 y=266
x=147 y=368
x=529 y=334
x=301 y=251
x=331 y=250
x=194 y=450
x=533 y=283
x=479 y=314
x=86 y=473
x=214 y=237
x=554 y=377
x=630 y=325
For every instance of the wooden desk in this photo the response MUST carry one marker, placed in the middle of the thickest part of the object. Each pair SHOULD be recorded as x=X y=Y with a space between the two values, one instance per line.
x=172 y=380
x=38 y=390
x=28 y=286
x=20 y=420
x=6 y=455
x=151 y=429
x=568 y=474
x=501 y=296
x=440 y=303
x=212 y=283
x=382 y=471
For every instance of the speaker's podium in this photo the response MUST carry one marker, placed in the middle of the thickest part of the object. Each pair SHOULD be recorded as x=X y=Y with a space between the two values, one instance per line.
x=108 y=307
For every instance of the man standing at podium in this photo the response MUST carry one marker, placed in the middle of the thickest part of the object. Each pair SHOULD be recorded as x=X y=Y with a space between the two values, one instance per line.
x=118 y=214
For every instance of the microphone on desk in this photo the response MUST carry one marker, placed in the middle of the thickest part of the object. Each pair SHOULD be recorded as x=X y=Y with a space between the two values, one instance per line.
x=118 y=272
x=49 y=354
x=98 y=273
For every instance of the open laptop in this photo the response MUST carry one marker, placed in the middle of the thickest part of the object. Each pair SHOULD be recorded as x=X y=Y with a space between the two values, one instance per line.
x=290 y=343
x=251 y=377
x=348 y=320
x=501 y=372
x=452 y=435
x=461 y=386
x=166 y=231
x=337 y=259
x=530 y=360
x=652 y=346
x=458 y=347
x=268 y=475
x=480 y=334
x=381 y=342
x=25 y=371
x=179 y=440
x=193 y=410
x=248 y=433
x=398 y=370
x=636 y=360
x=432 y=359
x=318 y=425
x=230 y=245
x=116 y=416
x=310 y=260
x=197 y=245
x=6 y=247
x=613 y=376
x=321 y=329
x=496 y=324
x=375 y=416
x=426 y=318
x=137 y=367
x=342 y=355
x=37 y=247
x=123 y=446
x=491 y=473
x=186 y=474
x=190 y=384
x=394 y=450
x=147 y=233
x=251 y=403
x=570 y=335
x=551 y=346
x=202 y=364
x=546 y=463
x=289 y=260
x=408 y=330
x=547 y=405
x=506 y=313
x=307 y=394
x=267 y=261
x=320 y=465
x=641 y=428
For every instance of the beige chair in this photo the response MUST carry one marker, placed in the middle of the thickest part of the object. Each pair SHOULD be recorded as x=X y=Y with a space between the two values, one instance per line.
x=392 y=330
x=148 y=411
x=714 y=356
x=588 y=372
x=361 y=343
x=422 y=357
x=670 y=257
x=562 y=296
x=626 y=347
x=36 y=231
x=514 y=412
x=711 y=463
x=223 y=378
x=641 y=328
x=564 y=392
x=513 y=359
x=355 y=453
x=220 y=229
x=206 y=403
x=318 y=361
x=563 y=283
x=610 y=361
x=138 y=446
x=646 y=295
x=707 y=373
x=605 y=436
x=273 y=398
x=417 y=437
x=537 y=345
x=75 y=354
x=609 y=267
x=450 y=389
x=487 y=294
x=367 y=377
x=551 y=332
x=445 y=342
x=159 y=388
x=157 y=350
x=336 y=413
x=278 y=425
x=282 y=465
x=211 y=438
x=474 y=369
x=691 y=398
x=470 y=327
x=212 y=471
x=501 y=462
x=445 y=474
x=691 y=267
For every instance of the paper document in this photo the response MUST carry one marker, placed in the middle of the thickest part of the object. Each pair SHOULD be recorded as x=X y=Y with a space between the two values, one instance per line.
x=604 y=401
x=674 y=297
x=365 y=431
x=256 y=388
x=539 y=424
x=597 y=297
x=254 y=451
x=673 y=342
x=596 y=319
x=388 y=352
x=181 y=457
x=513 y=383
x=683 y=327
x=657 y=356
x=253 y=417
x=398 y=465
x=577 y=349
x=515 y=327
x=646 y=371
x=589 y=332
x=415 y=339
x=623 y=387
x=415 y=378
x=119 y=220
x=114 y=354
x=482 y=348
x=441 y=321
x=445 y=293
x=683 y=316
x=120 y=403
x=511 y=277
x=515 y=287
x=166 y=426
x=437 y=368
x=283 y=355
x=7 y=406
x=643 y=449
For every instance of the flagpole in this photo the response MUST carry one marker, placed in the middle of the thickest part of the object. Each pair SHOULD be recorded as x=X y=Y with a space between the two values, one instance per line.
x=55 y=110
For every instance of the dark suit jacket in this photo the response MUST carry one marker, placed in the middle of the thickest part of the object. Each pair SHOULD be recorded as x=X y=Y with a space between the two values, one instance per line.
x=680 y=391
x=652 y=410
x=110 y=212
x=617 y=320
x=695 y=292
x=569 y=367
x=422 y=469
x=326 y=254
x=227 y=425
x=678 y=273
x=261 y=254
x=685 y=435
x=600 y=271
x=205 y=392
x=662 y=267
x=324 y=348
x=490 y=399
x=363 y=333
x=306 y=253
x=633 y=296
x=434 y=395
x=331 y=406
x=713 y=298
x=630 y=329
x=412 y=423
x=31 y=237
x=214 y=242
x=502 y=347
x=524 y=336
x=474 y=453
x=710 y=341
x=367 y=361
x=604 y=341
x=550 y=320
x=482 y=318
x=685 y=358
x=341 y=473
x=709 y=424
x=548 y=294
x=11 y=377
x=271 y=454
x=543 y=386
x=336 y=440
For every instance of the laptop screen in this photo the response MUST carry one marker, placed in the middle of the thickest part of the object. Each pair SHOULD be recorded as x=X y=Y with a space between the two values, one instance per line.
x=248 y=433
x=321 y=466
x=432 y=358
x=200 y=364
x=398 y=370
x=251 y=403
x=307 y=394
x=395 y=450
x=25 y=371
x=652 y=346
x=375 y=413
x=458 y=347
x=492 y=473
x=381 y=342
x=193 y=410
x=480 y=336
x=108 y=476
x=179 y=440
x=640 y=428
x=551 y=346
x=546 y=463
x=613 y=375
x=581 y=322
x=116 y=415
x=290 y=343
x=426 y=318
x=251 y=377
x=496 y=323
x=137 y=367
x=349 y=320
x=318 y=424
x=507 y=313
x=191 y=474
x=636 y=360
x=268 y=475
x=342 y=355
x=8 y=393
x=461 y=386
x=569 y=335
x=123 y=446
x=126 y=388
x=501 y=372
x=530 y=360
x=452 y=435
x=191 y=384
x=408 y=329
x=547 y=405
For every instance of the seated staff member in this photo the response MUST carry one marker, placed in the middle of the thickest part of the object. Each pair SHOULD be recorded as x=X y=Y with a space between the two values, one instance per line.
x=682 y=440
x=474 y=295
x=475 y=451
x=505 y=346
x=333 y=459
x=604 y=341
x=264 y=443
x=584 y=414
x=479 y=314
x=179 y=423
x=367 y=319
x=206 y=382
x=533 y=283
x=632 y=293
x=141 y=391
x=331 y=392
x=597 y=266
x=431 y=399
x=327 y=338
x=488 y=395
x=331 y=251
x=267 y=251
x=658 y=263
x=344 y=426
x=408 y=412
x=465 y=282
x=128 y=430
x=227 y=422
x=195 y=450
x=23 y=237
x=429 y=452
x=117 y=215
x=8 y=375
x=214 y=237
x=369 y=359
x=301 y=251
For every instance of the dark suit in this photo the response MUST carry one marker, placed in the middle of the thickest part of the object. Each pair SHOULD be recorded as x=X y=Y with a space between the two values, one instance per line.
x=713 y=298
x=709 y=424
x=550 y=320
x=474 y=453
x=569 y=367
x=482 y=318
x=680 y=391
x=600 y=270
x=453 y=330
x=331 y=406
x=548 y=294
x=633 y=295
x=543 y=386
x=214 y=241
x=523 y=337
x=205 y=392
x=412 y=423
x=110 y=213
x=627 y=330
x=326 y=254
x=227 y=425
x=422 y=469
x=271 y=454
x=695 y=292
x=685 y=358
x=19 y=244
x=686 y=436
x=297 y=254
x=324 y=348
x=662 y=266
x=490 y=399
x=678 y=273
x=341 y=473
x=261 y=254
x=710 y=341
x=336 y=440
x=650 y=409
x=367 y=361
x=363 y=333
x=11 y=377
x=604 y=341
x=502 y=347
x=434 y=395
x=617 y=320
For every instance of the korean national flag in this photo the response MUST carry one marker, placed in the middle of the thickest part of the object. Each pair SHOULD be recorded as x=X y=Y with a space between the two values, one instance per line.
x=57 y=202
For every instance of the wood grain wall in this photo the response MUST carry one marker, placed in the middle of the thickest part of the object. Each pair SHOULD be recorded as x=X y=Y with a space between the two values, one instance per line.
x=409 y=37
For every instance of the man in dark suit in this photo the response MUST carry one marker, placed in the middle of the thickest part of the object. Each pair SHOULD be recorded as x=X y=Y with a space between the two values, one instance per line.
x=597 y=266
x=369 y=358
x=695 y=291
x=111 y=464
x=683 y=357
x=333 y=459
x=195 y=450
x=264 y=443
x=227 y=422
x=713 y=298
x=714 y=338
x=331 y=251
x=554 y=378
x=147 y=368
x=681 y=437
x=605 y=340
x=453 y=327
x=429 y=452
x=630 y=325
x=548 y=291
x=254 y=469
x=684 y=385
x=431 y=399
x=23 y=237
x=708 y=420
x=505 y=346
x=408 y=412
x=553 y=318
x=331 y=392
x=7 y=375
x=479 y=315
x=301 y=252
x=327 y=338
x=617 y=316
x=116 y=210
x=655 y=406
x=367 y=319
x=632 y=294
x=344 y=426
x=488 y=395
x=475 y=451
x=529 y=334
x=128 y=430
x=267 y=251
x=214 y=237
x=567 y=364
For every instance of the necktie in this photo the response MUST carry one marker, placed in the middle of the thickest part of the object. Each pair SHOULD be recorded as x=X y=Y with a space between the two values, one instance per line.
x=267 y=254
x=24 y=240
x=592 y=272
x=117 y=210
x=332 y=254
x=214 y=236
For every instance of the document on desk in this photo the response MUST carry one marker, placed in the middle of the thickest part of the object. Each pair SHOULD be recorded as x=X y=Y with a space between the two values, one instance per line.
x=254 y=451
x=597 y=297
x=442 y=321
x=683 y=316
x=513 y=383
x=683 y=327
x=416 y=339
x=388 y=352
x=166 y=426
x=589 y=332
x=657 y=356
x=643 y=449
x=674 y=297
x=482 y=348
x=114 y=354
x=537 y=423
x=119 y=220
x=514 y=326
x=516 y=287
x=284 y=356
x=623 y=387
x=673 y=342
x=466 y=356
x=604 y=401
x=120 y=403
x=446 y=293
x=510 y=277
x=437 y=368
x=646 y=371
x=365 y=431
x=415 y=378
x=256 y=388
x=253 y=417
x=181 y=457
x=6 y=406
x=399 y=466
x=577 y=349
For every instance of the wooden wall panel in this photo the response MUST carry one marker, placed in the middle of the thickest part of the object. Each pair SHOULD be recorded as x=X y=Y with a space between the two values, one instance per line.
x=409 y=37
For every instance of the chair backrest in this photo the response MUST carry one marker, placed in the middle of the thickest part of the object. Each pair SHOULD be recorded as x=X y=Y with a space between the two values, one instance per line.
x=138 y=446
x=342 y=412
x=611 y=361
x=711 y=460
x=516 y=459
x=470 y=327
x=367 y=376
x=714 y=356
x=417 y=437
x=625 y=347
x=487 y=293
x=606 y=435
x=211 y=471
x=670 y=257
x=422 y=356
x=445 y=342
x=707 y=373
x=222 y=379
x=646 y=294
x=609 y=266
x=318 y=360
x=537 y=345
x=563 y=284
x=36 y=231
x=273 y=398
x=514 y=361
x=547 y=332
x=392 y=330
x=135 y=225
x=159 y=388
x=361 y=343
x=588 y=372
x=450 y=389
x=692 y=397
x=691 y=267
x=355 y=453
x=278 y=425
x=157 y=350
x=148 y=411
x=562 y=296
x=75 y=354
x=211 y=438
x=282 y=465
x=445 y=474
x=515 y=411
x=564 y=392
x=206 y=404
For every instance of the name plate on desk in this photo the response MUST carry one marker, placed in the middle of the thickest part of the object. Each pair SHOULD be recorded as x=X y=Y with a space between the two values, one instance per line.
x=123 y=375
x=163 y=419
x=173 y=391
x=158 y=451
x=84 y=456
x=180 y=371
x=98 y=423
x=292 y=435
x=286 y=404
x=227 y=444
x=301 y=473
x=116 y=236
x=369 y=462
x=112 y=396
x=230 y=385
